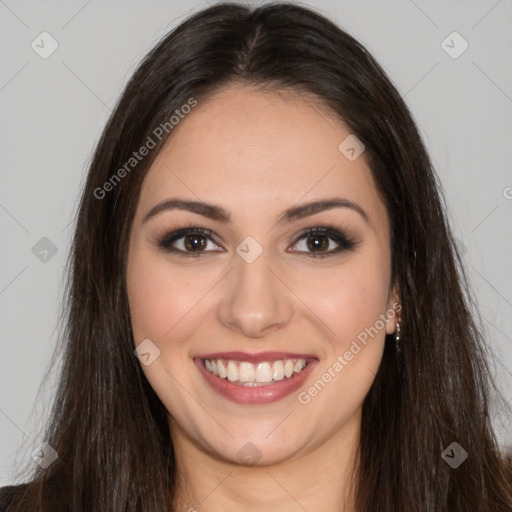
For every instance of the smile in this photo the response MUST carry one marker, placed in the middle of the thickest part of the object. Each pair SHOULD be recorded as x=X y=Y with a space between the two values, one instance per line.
x=263 y=378
x=249 y=374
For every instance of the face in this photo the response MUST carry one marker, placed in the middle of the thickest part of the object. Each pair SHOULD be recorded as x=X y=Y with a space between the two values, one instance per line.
x=292 y=301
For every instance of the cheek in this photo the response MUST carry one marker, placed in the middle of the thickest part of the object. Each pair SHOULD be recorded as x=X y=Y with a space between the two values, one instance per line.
x=161 y=302
x=353 y=302
x=349 y=298
x=159 y=298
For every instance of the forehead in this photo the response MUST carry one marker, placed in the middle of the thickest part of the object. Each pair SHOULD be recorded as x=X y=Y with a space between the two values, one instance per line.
x=250 y=150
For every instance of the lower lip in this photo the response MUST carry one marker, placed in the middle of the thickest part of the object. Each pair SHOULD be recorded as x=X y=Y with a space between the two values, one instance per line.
x=264 y=394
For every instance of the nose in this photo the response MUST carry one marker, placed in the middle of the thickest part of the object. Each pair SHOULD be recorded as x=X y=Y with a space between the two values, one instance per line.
x=255 y=300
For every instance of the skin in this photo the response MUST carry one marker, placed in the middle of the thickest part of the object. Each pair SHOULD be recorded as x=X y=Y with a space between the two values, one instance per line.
x=256 y=154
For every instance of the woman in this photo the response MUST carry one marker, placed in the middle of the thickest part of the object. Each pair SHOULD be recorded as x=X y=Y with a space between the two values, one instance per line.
x=266 y=307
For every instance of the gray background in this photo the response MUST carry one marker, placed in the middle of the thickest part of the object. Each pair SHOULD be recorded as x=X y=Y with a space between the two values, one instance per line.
x=53 y=110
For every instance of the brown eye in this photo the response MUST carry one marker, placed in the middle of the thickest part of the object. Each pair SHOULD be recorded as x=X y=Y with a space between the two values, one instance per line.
x=190 y=241
x=319 y=242
x=193 y=242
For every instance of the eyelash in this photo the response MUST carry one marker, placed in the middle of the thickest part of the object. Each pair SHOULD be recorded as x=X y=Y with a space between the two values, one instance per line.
x=344 y=241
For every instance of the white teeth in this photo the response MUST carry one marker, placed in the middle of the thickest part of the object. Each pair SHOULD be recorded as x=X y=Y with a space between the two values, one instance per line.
x=221 y=369
x=278 y=370
x=232 y=372
x=288 y=368
x=249 y=374
x=298 y=366
x=246 y=372
x=263 y=372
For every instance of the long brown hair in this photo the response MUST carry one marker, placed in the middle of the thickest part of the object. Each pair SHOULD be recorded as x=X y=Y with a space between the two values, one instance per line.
x=107 y=424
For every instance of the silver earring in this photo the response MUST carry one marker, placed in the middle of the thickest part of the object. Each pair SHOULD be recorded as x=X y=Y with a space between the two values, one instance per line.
x=397 y=337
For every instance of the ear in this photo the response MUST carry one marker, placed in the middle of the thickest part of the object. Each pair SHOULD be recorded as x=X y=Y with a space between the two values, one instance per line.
x=394 y=308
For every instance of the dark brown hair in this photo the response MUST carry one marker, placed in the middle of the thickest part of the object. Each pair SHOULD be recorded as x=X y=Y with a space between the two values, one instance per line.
x=108 y=426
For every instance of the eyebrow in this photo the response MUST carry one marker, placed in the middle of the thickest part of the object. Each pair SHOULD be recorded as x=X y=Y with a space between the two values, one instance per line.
x=219 y=214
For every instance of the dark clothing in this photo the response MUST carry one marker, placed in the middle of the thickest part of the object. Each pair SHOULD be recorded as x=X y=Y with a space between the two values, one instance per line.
x=12 y=495
x=7 y=494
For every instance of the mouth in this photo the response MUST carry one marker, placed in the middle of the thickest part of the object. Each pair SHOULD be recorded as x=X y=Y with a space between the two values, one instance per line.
x=255 y=378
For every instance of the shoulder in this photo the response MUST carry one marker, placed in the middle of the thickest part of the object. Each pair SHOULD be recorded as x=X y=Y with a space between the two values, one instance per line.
x=8 y=495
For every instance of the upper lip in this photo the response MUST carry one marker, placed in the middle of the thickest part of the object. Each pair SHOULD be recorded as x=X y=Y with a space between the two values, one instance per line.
x=259 y=357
